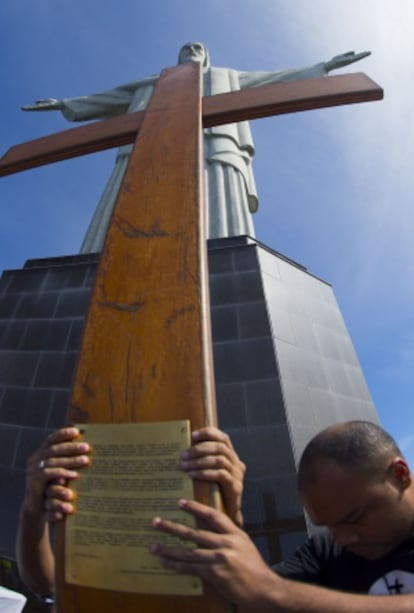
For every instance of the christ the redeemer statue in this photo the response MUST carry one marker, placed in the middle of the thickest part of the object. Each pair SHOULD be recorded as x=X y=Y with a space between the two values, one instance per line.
x=228 y=149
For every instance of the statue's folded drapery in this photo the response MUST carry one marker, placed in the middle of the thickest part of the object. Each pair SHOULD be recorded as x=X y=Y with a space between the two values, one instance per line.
x=230 y=188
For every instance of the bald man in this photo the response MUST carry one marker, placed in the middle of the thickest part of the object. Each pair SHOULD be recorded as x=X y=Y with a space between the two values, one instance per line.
x=354 y=481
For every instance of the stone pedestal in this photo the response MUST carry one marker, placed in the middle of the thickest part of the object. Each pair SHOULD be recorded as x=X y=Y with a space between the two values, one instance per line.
x=284 y=364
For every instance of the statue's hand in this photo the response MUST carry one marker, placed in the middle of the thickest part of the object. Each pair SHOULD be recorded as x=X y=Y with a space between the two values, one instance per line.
x=339 y=61
x=45 y=104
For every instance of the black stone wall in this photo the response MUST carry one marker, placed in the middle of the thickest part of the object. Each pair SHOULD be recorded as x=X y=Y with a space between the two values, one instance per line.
x=272 y=322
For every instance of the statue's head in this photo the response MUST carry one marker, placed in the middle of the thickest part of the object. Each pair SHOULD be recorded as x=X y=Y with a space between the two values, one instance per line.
x=194 y=52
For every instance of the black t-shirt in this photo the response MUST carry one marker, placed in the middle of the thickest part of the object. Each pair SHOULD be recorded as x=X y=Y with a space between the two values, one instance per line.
x=321 y=562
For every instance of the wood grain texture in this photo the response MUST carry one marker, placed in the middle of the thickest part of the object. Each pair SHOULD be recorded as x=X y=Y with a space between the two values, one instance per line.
x=89 y=138
x=290 y=97
x=145 y=353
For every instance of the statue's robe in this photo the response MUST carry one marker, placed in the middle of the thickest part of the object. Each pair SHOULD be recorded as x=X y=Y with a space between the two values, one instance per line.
x=228 y=150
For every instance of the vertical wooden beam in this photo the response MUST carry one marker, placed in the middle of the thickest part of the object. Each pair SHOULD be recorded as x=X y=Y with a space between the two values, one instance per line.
x=146 y=350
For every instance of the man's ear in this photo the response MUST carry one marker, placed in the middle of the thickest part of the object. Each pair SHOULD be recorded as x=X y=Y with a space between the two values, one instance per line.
x=399 y=471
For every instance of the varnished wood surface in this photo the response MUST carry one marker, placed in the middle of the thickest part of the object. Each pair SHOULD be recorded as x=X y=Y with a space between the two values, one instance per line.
x=251 y=103
x=145 y=353
x=291 y=97
x=89 y=138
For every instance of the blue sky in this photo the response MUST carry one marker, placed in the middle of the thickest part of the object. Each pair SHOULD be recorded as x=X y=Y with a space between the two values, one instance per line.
x=335 y=186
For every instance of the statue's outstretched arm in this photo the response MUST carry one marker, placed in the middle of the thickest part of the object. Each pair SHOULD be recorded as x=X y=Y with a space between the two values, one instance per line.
x=253 y=79
x=44 y=104
x=339 y=61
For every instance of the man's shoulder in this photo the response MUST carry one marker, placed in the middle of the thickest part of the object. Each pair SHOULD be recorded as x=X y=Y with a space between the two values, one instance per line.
x=322 y=545
x=394 y=573
x=310 y=559
x=320 y=561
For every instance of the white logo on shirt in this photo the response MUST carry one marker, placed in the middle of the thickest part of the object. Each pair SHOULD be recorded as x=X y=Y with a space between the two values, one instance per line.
x=395 y=582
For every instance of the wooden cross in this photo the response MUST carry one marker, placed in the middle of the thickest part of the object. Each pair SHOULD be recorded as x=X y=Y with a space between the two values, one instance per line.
x=146 y=350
